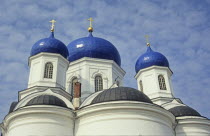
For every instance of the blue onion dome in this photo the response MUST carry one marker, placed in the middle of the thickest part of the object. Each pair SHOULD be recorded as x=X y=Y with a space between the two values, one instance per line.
x=93 y=47
x=183 y=111
x=121 y=94
x=50 y=45
x=151 y=58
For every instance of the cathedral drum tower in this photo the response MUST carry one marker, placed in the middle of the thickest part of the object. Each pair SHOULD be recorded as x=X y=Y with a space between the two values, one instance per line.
x=44 y=108
x=153 y=77
x=95 y=63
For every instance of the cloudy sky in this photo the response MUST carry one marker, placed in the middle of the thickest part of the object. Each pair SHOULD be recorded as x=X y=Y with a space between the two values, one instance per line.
x=179 y=29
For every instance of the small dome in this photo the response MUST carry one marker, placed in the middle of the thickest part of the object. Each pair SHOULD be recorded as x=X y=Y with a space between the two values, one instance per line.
x=50 y=45
x=151 y=58
x=183 y=111
x=121 y=94
x=46 y=100
x=93 y=47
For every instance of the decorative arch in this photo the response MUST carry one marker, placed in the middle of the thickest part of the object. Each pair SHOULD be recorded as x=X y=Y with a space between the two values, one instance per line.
x=99 y=72
x=162 y=83
x=72 y=76
x=70 y=82
x=26 y=99
x=48 y=70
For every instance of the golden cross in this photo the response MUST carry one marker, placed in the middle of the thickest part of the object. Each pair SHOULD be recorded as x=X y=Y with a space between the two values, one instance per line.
x=91 y=20
x=147 y=40
x=53 y=25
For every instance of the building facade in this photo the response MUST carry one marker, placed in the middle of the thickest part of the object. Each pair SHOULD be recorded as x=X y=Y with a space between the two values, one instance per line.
x=78 y=90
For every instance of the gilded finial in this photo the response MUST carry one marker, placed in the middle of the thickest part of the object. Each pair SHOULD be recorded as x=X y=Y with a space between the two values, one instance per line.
x=53 y=25
x=147 y=40
x=90 y=28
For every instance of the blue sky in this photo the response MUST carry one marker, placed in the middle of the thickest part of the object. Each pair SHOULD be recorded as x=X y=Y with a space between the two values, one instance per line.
x=179 y=29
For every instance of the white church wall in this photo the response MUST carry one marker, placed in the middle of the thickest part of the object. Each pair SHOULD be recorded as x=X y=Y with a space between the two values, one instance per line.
x=192 y=126
x=149 y=83
x=61 y=72
x=167 y=76
x=40 y=121
x=86 y=69
x=37 y=76
x=79 y=70
x=104 y=72
x=149 y=78
x=123 y=118
x=37 y=66
x=117 y=75
x=75 y=73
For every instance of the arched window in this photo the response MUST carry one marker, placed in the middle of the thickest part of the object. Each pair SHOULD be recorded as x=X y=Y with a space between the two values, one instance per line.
x=48 y=71
x=162 y=83
x=141 y=85
x=98 y=83
x=73 y=81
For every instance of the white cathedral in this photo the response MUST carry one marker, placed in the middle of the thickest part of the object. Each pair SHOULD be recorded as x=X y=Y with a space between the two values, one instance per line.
x=77 y=90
